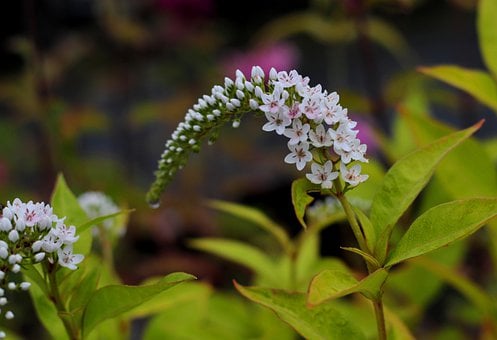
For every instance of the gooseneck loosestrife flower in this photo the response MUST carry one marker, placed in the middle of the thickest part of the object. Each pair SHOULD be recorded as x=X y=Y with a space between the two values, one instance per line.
x=31 y=233
x=318 y=129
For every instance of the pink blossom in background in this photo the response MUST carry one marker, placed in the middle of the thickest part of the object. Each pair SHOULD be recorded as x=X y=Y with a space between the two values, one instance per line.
x=281 y=56
x=366 y=133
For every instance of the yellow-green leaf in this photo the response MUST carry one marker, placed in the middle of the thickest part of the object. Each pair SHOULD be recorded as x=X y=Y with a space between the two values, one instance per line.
x=255 y=216
x=241 y=253
x=332 y=284
x=324 y=322
x=477 y=83
x=442 y=225
x=114 y=300
x=300 y=198
x=404 y=181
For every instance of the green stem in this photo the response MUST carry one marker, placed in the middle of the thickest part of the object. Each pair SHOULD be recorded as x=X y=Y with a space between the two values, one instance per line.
x=354 y=224
x=71 y=328
x=349 y=212
x=380 y=319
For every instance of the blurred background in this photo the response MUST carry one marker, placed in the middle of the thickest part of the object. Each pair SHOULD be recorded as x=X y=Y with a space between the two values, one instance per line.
x=93 y=89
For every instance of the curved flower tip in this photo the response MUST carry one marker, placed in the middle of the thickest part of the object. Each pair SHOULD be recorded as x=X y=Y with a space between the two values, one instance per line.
x=317 y=126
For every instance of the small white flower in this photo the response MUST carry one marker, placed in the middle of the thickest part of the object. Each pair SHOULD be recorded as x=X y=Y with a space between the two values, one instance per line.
x=294 y=111
x=13 y=235
x=5 y=224
x=66 y=235
x=342 y=138
x=276 y=122
x=15 y=258
x=352 y=175
x=319 y=137
x=3 y=301
x=9 y=315
x=36 y=246
x=68 y=259
x=25 y=285
x=8 y=213
x=12 y=285
x=16 y=268
x=272 y=103
x=299 y=155
x=311 y=107
x=257 y=72
x=51 y=242
x=254 y=105
x=39 y=257
x=323 y=175
x=298 y=132
x=4 y=252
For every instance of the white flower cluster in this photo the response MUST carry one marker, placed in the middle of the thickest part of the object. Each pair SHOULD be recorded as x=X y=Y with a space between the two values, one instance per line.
x=32 y=233
x=312 y=118
x=96 y=204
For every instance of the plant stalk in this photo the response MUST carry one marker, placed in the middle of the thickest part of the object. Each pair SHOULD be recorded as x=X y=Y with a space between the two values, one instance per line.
x=380 y=319
x=354 y=224
x=71 y=328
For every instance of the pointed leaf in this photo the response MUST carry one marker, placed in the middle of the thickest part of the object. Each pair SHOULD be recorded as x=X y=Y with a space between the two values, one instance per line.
x=469 y=163
x=64 y=203
x=324 y=322
x=332 y=284
x=479 y=84
x=47 y=313
x=487 y=34
x=442 y=225
x=97 y=220
x=404 y=181
x=111 y=301
x=301 y=199
x=241 y=253
x=255 y=216
x=366 y=227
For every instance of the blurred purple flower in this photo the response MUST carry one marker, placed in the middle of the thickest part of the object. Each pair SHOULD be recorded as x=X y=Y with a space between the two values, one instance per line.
x=281 y=56
x=366 y=133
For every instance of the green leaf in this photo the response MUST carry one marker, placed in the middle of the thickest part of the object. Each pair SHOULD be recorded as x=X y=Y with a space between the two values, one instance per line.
x=324 y=322
x=366 y=227
x=404 y=181
x=47 y=313
x=100 y=219
x=479 y=84
x=255 y=216
x=442 y=225
x=301 y=199
x=171 y=298
x=332 y=284
x=81 y=285
x=469 y=163
x=241 y=253
x=114 y=300
x=64 y=203
x=487 y=34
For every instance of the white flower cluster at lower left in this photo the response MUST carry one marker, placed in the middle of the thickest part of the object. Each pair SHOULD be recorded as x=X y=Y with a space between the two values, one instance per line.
x=31 y=233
